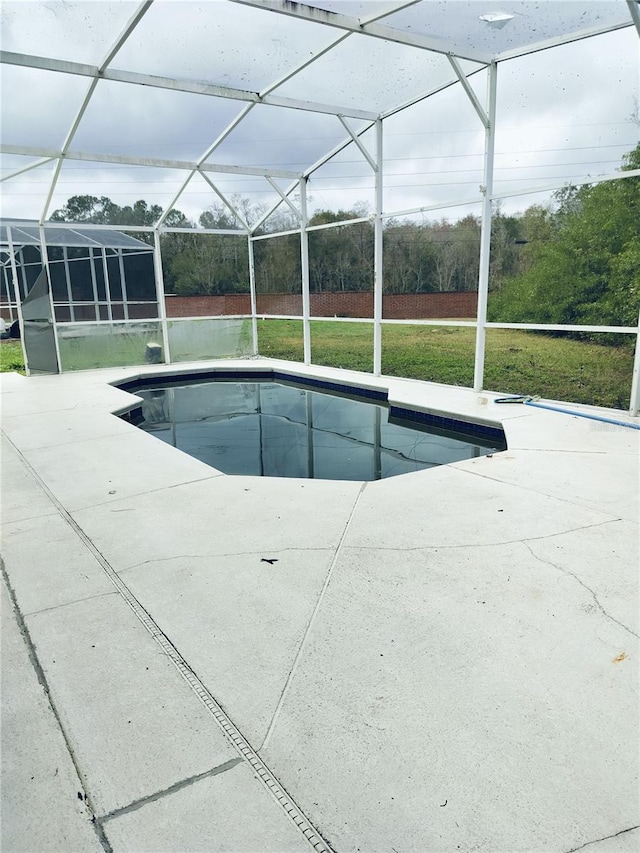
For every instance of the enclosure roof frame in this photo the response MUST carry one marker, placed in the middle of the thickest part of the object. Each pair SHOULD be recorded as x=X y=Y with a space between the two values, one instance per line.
x=380 y=26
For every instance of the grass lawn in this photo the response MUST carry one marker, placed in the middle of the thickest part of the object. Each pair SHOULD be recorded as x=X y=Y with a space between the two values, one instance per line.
x=11 y=358
x=516 y=362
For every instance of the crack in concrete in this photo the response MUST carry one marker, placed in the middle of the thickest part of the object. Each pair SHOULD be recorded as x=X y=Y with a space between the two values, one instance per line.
x=24 y=518
x=259 y=553
x=172 y=789
x=582 y=584
x=43 y=682
x=475 y=545
x=604 y=838
x=496 y=479
x=132 y=496
x=69 y=603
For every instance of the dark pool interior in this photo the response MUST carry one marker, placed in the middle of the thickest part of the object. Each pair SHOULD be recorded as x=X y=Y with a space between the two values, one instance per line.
x=277 y=427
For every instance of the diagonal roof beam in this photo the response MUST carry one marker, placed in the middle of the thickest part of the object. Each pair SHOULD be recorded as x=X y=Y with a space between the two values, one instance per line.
x=28 y=168
x=462 y=77
x=424 y=95
x=174 y=84
x=556 y=42
x=242 y=115
x=342 y=145
x=346 y=22
x=634 y=9
x=307 y=12
x=231 y=207
x=209 y=151
x=286 y=77
x=135 y=19
x=267 y=213
x=123 y=160
x=285 y=197
x=356 y=139
x=397 y=7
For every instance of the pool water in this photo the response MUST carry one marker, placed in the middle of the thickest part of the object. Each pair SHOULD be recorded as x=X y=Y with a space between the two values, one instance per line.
x=274 y=429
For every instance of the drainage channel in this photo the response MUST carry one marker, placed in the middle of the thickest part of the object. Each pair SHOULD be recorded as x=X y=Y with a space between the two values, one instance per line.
x=268 y=779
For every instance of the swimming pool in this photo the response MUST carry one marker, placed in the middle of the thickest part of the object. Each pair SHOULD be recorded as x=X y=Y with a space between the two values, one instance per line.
x=281 y=426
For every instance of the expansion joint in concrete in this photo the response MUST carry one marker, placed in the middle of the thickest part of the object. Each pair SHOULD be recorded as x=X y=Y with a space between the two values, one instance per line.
x=231 y=731
x=172 y=789
x=42 y=680
x=311 y=622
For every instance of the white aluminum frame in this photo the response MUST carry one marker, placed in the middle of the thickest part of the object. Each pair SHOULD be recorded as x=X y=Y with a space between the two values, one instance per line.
x=378 y=26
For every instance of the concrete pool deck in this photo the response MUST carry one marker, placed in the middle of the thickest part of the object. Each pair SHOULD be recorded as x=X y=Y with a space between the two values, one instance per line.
x=442 y=661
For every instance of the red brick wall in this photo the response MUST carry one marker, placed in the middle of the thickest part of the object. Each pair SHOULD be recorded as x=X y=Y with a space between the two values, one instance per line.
x=426 y=306
x=208 y=306
x=400 y=306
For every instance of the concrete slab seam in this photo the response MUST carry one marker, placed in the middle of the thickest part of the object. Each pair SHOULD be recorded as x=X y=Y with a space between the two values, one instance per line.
x=263 y=773
x=42 y=680
x=172 y=789
x=311 y=621
x=582 y=584
x=604 y=838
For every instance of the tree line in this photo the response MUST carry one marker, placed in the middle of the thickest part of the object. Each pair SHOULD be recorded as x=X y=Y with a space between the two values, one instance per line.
x=419 y=258
x=576 y=260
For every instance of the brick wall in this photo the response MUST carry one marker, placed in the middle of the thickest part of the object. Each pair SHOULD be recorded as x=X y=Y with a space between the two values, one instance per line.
x=208 y=306
x=400 y=306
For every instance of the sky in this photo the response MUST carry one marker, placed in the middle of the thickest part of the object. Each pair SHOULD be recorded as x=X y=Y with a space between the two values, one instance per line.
x=563 y=114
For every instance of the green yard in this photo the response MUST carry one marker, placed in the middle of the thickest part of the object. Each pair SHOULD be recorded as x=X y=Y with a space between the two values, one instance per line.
x=516 y=362
x=11 y=357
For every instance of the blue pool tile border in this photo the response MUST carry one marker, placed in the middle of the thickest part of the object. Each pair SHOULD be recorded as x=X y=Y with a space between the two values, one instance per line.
x=470 y=428
x=257 y=375
x=495 y=434
x=340 y=387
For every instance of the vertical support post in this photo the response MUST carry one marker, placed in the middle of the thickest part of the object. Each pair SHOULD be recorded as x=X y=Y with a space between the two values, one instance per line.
x=67 y=276
x=485 y=233
x=23 y=276
x=16 y=296
x=252 y=290
x=107 y=288
x=94 y=283
x=162 y=306
x=304 y=261
x=378 y=256
x=45 y=263
x=634 y=403
x=123 y=285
